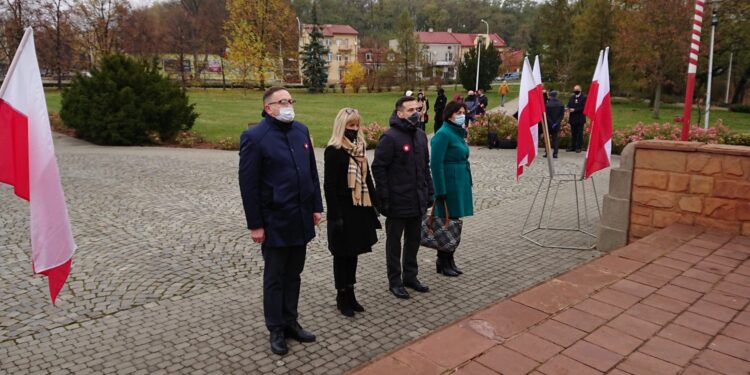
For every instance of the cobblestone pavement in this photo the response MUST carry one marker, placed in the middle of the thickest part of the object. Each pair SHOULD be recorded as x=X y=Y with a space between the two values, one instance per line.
x=166 y=280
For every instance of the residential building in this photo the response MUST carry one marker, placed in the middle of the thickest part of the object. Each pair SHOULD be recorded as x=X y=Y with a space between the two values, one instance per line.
x=342 y=42
x=444 y=50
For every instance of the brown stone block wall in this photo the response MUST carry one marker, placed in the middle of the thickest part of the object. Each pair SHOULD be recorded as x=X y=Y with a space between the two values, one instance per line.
x=691 y=183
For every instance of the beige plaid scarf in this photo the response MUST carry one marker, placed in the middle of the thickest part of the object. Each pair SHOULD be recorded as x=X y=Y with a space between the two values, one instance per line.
x=357 y=174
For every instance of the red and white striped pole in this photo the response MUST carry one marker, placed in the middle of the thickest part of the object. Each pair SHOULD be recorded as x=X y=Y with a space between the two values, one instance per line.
x=695 y=40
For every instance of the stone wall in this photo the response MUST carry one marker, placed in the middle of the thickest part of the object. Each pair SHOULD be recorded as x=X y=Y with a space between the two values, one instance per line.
x=691 y=183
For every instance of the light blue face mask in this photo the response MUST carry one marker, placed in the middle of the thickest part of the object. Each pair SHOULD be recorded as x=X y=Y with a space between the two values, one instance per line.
x=460 y=119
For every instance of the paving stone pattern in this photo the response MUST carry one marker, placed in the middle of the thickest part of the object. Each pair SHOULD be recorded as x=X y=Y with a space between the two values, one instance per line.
x=166 y=279
x=675 y=302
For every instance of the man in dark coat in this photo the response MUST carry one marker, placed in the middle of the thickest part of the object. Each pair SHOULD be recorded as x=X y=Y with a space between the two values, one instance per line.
x=440 y=103
x=576 y=119
x=483 y=102
x=555 y=113
x=281 y=196
x=401 y=169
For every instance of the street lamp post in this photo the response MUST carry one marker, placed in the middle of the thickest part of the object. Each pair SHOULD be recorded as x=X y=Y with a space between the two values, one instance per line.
x=714 y=21
x=299 y=40
x=479 y=54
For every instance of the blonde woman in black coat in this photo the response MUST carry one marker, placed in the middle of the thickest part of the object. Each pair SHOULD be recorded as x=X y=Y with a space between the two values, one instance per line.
x=350 y=199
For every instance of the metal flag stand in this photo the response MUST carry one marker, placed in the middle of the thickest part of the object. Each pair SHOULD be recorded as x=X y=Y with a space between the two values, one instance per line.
x=545 y=233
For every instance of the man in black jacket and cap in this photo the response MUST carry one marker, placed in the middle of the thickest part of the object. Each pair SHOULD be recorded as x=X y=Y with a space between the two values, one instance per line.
x=281 y=196
x=404 y=185
x=555 y=113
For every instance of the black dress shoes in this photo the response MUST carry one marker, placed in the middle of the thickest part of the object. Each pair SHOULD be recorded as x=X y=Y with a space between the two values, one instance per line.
x=416 y=285
x=399 y=292
x=278 y=342
x=297 y=333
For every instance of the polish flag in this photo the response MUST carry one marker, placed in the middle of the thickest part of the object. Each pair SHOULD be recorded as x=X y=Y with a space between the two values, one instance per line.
x=599 y=153
x=590 y=107
x=529 y=115
x=537 y=73
x=27 y=162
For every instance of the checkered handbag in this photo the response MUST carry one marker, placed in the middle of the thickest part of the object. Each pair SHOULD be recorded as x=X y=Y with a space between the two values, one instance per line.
x=441 y=234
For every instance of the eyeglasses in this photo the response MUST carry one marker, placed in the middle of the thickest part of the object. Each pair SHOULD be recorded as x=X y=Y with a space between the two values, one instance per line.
x=349 y=111
x=284 y=102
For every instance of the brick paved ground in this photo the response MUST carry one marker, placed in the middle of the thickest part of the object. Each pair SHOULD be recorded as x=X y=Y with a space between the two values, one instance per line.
x=673 y=302
x=166 y=279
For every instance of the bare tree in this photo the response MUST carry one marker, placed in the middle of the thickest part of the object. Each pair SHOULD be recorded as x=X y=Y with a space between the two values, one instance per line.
x=100 y=22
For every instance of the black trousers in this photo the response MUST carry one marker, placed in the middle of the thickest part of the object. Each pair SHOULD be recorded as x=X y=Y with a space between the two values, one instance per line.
x=553 y=139
x=281 y=283
x=344 y=271
x=438 y=120
x=576 y=136
x=411 y=229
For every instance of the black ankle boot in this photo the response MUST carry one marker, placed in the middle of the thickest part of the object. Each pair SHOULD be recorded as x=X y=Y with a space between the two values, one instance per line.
x=444 y=266
x=452 y=260
x=353 y=300
x=342 y=302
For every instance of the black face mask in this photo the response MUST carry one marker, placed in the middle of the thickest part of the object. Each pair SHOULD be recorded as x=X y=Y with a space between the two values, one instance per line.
x=414 y=118
x=577 y=92
x=351 y=134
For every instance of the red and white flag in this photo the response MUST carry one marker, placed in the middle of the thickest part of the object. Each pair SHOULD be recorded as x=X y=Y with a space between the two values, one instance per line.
x=537 y=73
x=27 y=162
x=599 y=152
x=590 y=107
x=529 y=116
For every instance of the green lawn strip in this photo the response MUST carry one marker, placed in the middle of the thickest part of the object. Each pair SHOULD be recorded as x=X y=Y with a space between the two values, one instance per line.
x=225 y=114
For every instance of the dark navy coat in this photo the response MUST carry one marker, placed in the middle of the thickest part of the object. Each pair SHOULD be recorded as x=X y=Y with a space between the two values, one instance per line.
x=577 y=102
x=279 y=182
x=401 y=169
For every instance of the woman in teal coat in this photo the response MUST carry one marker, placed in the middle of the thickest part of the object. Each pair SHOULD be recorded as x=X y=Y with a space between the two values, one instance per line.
x=451 y=175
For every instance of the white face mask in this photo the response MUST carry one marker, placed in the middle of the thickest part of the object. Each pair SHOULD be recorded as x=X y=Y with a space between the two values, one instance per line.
x=286 y=114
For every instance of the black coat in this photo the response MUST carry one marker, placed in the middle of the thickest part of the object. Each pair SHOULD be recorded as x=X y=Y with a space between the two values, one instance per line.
x=279 y=182
x=440 y=103
x=359 y=223
x=555 y=113
x=483 y=103
x=577 y=103
x=401 y=169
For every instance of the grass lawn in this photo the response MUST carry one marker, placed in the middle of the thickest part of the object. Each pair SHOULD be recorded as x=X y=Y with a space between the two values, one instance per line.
x=227 y=113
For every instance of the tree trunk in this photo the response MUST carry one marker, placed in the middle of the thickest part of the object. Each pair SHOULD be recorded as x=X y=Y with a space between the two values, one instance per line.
x=739 y=90
x=657 y=101
x=223 y=77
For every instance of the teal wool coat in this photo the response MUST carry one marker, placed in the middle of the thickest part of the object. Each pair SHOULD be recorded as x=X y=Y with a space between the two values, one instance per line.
x=451 y=174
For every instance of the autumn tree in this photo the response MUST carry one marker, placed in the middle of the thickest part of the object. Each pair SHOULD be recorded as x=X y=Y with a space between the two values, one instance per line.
x=314 y=64
x=553 y=34
x=100 y=22
x=408 y=48
x=355 y=76
x=594 y=30
x=57 y=47
x=732 y=37
x=15 y=16
x=261 y=26
x=651 y=45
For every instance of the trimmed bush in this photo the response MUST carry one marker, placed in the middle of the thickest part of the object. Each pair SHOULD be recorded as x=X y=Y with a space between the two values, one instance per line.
x=126 y=102
x=744 y=108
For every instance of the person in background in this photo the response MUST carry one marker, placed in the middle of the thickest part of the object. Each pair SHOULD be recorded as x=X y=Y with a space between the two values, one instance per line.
x=457 y=98
x=472 y=103
x=483 y=103
x=440 y=102
x=555 y=113
x=401 y=169
x=576 y=119
x=451 y=176
x=503 y=90
x=351 y=202
x=281 y=197
x=425 y=103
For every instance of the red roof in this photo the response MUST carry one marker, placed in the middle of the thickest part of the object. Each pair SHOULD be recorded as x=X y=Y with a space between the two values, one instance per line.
x=331 y=30
x=464 y=39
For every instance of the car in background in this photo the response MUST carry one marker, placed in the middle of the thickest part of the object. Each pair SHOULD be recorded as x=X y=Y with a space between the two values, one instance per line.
x=511 y=76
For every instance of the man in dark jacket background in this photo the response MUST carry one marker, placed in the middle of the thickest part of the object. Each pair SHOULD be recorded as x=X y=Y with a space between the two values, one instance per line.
x=576 y=119
x=404 y=185
x=440 y=103
x=281 y=196
x=555 y=113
